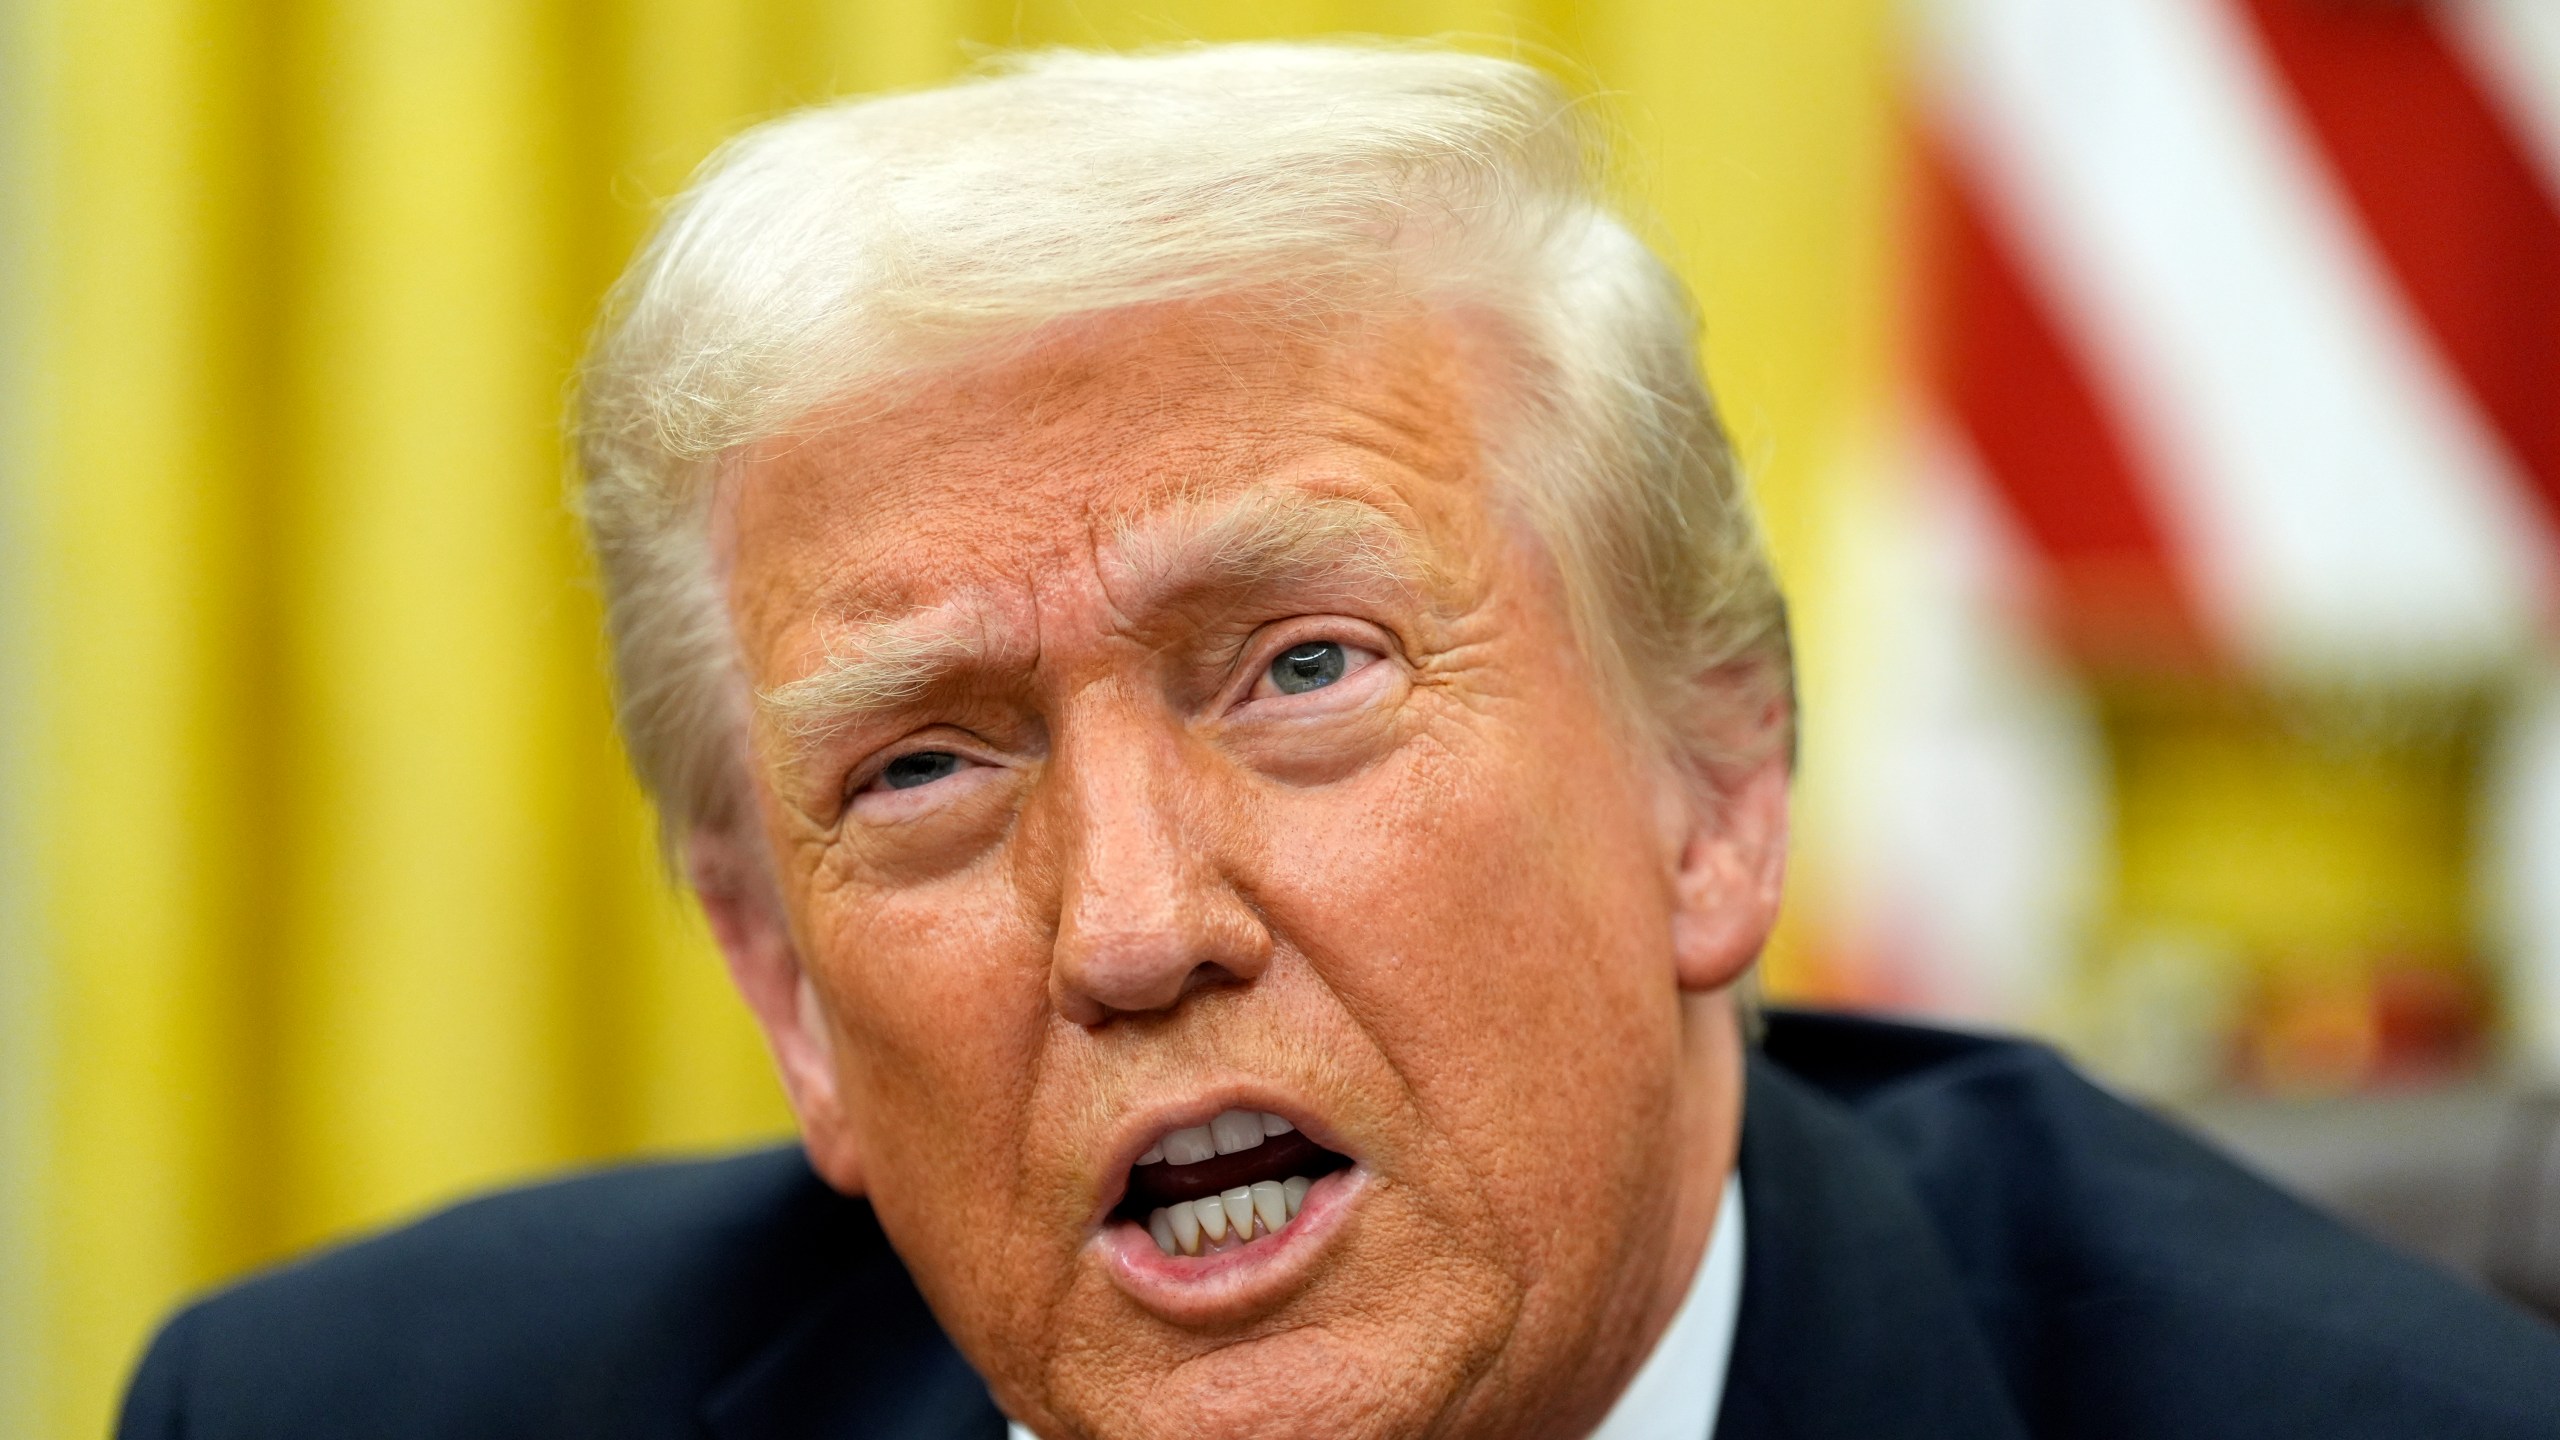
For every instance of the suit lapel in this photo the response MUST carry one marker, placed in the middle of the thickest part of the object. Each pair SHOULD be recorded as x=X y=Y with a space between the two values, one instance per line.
x=1853 y=1323
x=865 y=1358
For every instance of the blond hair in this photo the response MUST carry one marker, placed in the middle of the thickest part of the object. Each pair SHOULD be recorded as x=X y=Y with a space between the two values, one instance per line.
x=861 y=245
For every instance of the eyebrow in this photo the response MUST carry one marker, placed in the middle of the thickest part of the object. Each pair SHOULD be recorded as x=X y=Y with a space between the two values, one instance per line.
x=1190 y=548
x=877 y=666
x=1259 y=538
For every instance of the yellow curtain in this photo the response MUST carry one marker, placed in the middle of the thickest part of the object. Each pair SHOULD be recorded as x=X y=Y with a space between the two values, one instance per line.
x=337 y=901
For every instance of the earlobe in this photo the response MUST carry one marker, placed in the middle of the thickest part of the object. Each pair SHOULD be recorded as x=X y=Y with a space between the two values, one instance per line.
x=1732 y=867
x=745 y=913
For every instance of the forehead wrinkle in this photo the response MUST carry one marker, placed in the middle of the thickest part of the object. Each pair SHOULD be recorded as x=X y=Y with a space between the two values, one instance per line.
x=1413 y=442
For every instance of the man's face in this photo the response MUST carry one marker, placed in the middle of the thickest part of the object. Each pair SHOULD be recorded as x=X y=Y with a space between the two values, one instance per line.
x=1185 y=729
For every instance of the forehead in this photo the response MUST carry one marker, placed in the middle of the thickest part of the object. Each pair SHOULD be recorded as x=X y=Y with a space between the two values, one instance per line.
x=1013 y=469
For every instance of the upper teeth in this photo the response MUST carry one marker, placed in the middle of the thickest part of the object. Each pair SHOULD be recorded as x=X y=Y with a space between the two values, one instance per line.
x=1231 y=1131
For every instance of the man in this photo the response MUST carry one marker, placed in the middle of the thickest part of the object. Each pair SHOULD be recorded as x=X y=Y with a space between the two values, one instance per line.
x=1195 y=632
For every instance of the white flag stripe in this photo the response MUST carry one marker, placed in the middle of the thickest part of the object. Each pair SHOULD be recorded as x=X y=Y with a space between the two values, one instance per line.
x=2514 y=47
x=2342 y=507
x=1954 y=721
x=1971 y=53
x=1995 y=742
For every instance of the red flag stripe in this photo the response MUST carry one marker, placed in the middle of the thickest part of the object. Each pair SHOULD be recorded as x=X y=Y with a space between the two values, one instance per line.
x=2449 y=196
x=2015 y=388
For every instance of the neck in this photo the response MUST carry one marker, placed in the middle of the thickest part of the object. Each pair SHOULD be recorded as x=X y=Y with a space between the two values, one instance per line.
x=1706 y=1136
x=1665 y=1243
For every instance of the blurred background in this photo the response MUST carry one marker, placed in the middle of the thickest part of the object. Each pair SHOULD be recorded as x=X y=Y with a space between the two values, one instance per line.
x=2154 y=405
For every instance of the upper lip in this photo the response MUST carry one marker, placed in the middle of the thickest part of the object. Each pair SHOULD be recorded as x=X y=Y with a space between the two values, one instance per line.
x=1145 y=1126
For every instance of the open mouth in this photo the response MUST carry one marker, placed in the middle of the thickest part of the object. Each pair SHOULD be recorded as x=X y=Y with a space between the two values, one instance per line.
x=1225 y=1184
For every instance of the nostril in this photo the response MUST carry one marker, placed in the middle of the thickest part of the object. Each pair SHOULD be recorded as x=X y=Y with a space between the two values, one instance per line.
x=1097 y=1000
x=1098 y=973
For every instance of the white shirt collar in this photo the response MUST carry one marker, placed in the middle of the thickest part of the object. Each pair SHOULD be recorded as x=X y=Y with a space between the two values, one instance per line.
x=1676 y=1394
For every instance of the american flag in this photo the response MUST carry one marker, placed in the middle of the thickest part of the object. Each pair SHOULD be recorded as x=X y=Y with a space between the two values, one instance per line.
x=2237 y=360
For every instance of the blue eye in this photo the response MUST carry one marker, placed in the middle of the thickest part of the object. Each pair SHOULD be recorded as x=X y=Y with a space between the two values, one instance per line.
x=921 y=768
x=1309 y=667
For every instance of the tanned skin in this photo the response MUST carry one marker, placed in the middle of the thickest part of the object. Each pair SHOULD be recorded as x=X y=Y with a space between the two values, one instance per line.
x=1448 y=911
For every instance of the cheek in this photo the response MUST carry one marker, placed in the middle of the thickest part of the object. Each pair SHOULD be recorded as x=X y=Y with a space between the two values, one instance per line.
x=945 y=1058
x=939 y=1002
x=1501 y=926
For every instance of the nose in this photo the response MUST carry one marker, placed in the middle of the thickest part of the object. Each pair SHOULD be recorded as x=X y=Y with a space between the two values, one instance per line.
x=1145 y=913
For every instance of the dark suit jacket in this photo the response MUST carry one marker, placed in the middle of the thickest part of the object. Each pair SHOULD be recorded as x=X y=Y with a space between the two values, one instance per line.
x=1947 y=1236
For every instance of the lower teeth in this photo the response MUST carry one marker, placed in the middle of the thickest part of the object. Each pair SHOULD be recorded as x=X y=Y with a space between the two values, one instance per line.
x=1223 y=1222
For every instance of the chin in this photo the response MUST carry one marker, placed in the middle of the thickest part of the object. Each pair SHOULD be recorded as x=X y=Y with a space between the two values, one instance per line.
x=1305 y=1383
x=1385 y=1338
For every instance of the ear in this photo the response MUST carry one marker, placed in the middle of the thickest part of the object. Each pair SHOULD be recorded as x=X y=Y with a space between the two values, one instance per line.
x=1732 y=864
x=733 y=878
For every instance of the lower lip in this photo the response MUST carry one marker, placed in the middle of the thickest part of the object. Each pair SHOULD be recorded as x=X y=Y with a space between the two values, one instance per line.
x=1220 y=1284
